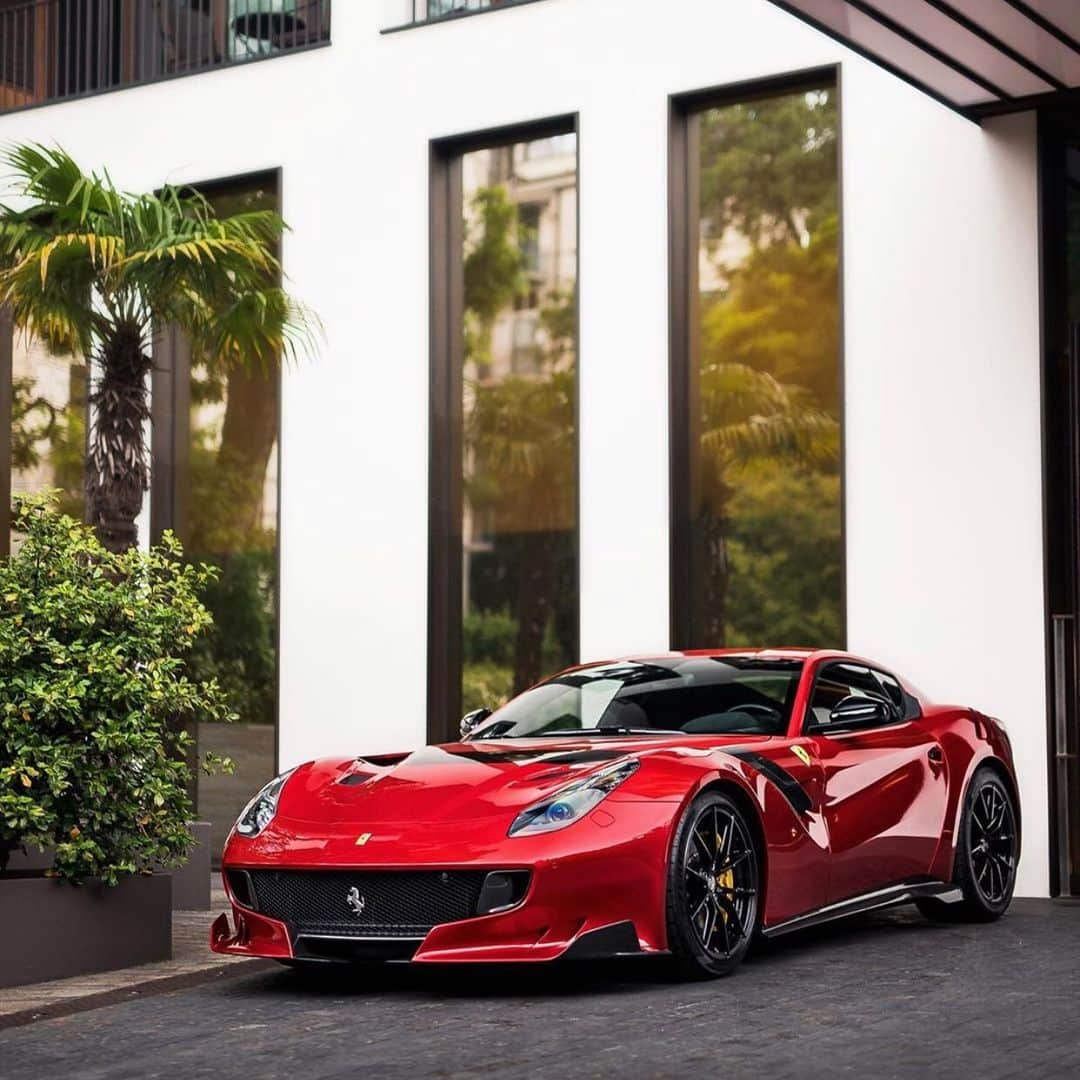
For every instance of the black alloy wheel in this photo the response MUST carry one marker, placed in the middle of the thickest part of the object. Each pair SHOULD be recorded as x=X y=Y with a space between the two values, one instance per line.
x=987 y=852
x=713 y=887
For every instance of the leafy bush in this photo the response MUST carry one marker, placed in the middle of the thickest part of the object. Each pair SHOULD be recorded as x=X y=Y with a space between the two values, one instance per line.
x=94 y=697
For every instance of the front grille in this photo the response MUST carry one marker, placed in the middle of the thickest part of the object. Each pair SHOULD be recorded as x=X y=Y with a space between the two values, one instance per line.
x=392 y=903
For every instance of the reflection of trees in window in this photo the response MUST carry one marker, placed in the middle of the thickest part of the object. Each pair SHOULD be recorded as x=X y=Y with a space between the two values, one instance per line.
x=230 y=521
x=520 y=469
x=766 y=555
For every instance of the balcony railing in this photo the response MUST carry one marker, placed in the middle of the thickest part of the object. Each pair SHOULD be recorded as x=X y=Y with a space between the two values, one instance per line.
x=426 y=11
x=52 y=50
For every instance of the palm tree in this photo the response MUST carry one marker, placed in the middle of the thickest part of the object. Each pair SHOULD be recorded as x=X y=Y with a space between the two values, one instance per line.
x=93 y=270
x=750 y=417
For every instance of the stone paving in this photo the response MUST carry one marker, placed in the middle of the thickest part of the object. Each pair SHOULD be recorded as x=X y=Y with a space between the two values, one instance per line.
x=192 y=962
x=882 y=996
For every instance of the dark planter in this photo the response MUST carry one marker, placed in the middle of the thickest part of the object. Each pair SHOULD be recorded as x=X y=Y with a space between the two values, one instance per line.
x=191 y=882
x=55 y=930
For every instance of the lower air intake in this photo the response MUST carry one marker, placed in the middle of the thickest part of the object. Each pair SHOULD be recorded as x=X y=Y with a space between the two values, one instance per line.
x=366 y=903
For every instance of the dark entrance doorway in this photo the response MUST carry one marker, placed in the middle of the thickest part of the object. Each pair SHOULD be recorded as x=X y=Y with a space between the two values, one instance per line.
x=1059 y=147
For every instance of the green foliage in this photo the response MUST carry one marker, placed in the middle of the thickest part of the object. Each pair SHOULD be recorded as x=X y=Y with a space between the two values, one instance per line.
x=770 y=167
x=780 y=315
x=489 y=636
x=786 y=558
x=237 y=651
x=485 y=685
x=94 y=696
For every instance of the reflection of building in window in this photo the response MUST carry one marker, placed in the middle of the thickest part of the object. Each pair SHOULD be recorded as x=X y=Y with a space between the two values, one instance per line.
x=48 y=424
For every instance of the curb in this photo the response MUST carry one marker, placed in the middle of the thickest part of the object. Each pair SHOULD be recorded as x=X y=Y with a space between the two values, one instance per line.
x=152 y=987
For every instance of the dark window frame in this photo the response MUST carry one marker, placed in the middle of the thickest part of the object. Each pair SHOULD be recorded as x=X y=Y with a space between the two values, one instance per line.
x=683 y=194
x=445 y=420
x=170 y=431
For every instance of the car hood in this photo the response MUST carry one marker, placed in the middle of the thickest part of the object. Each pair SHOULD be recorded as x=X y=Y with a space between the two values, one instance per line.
x=466 y=781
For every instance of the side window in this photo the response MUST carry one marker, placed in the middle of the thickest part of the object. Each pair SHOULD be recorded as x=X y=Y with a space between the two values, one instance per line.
x=837 y=681
x=907 y=706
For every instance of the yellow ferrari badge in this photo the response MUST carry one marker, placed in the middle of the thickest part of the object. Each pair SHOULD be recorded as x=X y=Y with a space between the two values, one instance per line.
x=801 y=754
x=362 y=839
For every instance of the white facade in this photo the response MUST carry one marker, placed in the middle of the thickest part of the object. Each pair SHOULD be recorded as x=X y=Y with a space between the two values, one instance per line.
x=941 y=332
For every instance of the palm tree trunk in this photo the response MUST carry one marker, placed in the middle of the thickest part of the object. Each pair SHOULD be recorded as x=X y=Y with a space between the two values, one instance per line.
x=248 y=434
x=715 y=576
x=536 y=600
x=117 y=469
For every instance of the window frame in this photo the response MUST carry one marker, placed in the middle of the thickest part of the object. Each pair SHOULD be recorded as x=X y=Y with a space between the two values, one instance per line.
x=446 y=299
x=683 y=194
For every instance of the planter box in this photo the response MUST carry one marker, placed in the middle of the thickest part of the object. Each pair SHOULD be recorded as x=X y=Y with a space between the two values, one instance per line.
x=56 y=930
x=191 y=882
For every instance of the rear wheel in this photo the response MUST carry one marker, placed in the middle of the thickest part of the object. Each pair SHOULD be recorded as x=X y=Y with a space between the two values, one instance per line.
x=713 y=888
x=987 y=850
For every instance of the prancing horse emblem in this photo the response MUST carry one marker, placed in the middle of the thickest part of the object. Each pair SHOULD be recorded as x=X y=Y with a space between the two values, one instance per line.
x=355 y=901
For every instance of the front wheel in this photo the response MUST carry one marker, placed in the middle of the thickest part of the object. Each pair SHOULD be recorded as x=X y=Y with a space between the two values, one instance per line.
x=987 y=850
x=713 y=888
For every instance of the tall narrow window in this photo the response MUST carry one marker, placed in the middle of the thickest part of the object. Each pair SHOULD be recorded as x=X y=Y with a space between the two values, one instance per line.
x=218 y=428
x=756 y=424
x=504 y=467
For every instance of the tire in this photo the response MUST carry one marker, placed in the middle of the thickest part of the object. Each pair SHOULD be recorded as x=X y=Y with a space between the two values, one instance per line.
x=713 y=888
x=987 y=850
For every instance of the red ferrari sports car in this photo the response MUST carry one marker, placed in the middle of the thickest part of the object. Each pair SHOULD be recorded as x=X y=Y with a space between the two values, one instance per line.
x=678 y=804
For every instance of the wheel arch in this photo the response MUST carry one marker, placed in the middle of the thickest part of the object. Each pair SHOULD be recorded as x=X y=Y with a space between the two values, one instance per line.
x=1005 y=775
x=752 y=812
x=1002 y=771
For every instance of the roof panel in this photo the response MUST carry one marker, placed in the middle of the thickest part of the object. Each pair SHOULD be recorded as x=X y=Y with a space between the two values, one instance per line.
x=1063 y=14
x=1015 y=29
x=979 y=56
x=945 y=35
x=872 y=37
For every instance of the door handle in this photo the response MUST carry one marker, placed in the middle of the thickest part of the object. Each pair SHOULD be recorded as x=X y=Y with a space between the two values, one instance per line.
x=936 y=758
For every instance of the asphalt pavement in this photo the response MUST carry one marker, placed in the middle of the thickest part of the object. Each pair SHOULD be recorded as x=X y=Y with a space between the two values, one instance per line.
x=889 y=995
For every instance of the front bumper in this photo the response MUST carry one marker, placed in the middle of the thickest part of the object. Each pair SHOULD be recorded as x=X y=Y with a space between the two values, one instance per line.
x=599 y=888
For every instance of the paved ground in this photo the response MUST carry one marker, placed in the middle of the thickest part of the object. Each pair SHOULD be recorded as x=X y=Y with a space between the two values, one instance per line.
x=884 y=996
x=192 y=962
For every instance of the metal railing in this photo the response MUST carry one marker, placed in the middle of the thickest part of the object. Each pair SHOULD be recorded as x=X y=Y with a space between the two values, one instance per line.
x=430 y=10
x=53 y=50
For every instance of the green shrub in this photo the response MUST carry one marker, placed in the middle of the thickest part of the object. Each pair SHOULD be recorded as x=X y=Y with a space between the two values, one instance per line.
x=94 y=698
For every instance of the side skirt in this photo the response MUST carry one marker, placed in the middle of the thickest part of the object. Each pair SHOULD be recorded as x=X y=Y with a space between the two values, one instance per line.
x=856 y=905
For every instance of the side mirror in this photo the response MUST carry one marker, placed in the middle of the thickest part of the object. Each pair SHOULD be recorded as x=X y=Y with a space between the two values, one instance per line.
x=857 y=712
x=472 y=720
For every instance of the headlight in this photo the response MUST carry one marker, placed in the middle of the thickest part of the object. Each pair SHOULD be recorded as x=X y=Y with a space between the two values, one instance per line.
x=572 y=802
x=260 y=811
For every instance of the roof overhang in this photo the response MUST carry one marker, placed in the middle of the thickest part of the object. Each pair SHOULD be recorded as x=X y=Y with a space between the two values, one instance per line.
x=979 y=57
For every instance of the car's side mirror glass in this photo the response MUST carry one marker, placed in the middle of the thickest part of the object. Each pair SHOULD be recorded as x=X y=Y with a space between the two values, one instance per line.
x=854 y=712
x=472 y=720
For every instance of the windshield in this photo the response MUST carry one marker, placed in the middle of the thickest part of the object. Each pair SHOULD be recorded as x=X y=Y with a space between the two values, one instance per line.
x=696 y=695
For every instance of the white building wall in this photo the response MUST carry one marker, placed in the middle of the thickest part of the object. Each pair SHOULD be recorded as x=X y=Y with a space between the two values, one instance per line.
x=941 y=325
